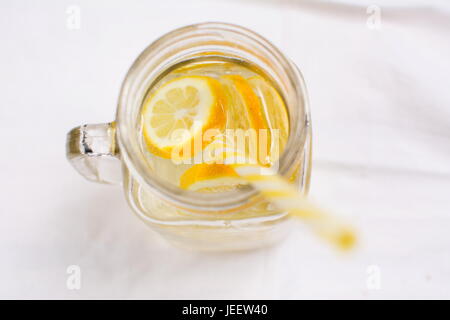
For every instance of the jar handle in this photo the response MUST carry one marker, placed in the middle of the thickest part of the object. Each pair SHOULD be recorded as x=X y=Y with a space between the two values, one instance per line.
x=93 y=152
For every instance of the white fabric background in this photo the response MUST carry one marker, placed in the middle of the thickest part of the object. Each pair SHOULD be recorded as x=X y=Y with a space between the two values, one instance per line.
x=380 y=103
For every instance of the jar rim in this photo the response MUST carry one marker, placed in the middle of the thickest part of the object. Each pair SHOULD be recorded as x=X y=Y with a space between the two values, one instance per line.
x=190 y=200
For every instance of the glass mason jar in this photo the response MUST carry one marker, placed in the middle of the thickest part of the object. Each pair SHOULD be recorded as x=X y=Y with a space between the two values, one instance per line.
x=240 y=219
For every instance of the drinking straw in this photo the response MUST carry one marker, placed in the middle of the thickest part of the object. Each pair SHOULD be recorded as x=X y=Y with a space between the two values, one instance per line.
x=283 y=194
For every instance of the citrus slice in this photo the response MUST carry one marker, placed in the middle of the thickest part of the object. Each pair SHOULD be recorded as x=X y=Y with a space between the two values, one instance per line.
x=275 y=114
x=244 y=106
x=244 y=112
x=210 y=178
x=178 y=113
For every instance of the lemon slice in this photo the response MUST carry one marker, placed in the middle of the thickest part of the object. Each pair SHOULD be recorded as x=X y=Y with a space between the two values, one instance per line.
x=275 y=114
x=210 y=178
x=244 y=112
x=244 y=106
x=179 y=112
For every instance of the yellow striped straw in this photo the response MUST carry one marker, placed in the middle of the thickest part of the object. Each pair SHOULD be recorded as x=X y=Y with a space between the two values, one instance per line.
x=283 y=194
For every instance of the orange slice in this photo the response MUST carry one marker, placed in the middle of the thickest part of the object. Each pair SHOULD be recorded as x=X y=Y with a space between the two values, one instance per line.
x=180 y=111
